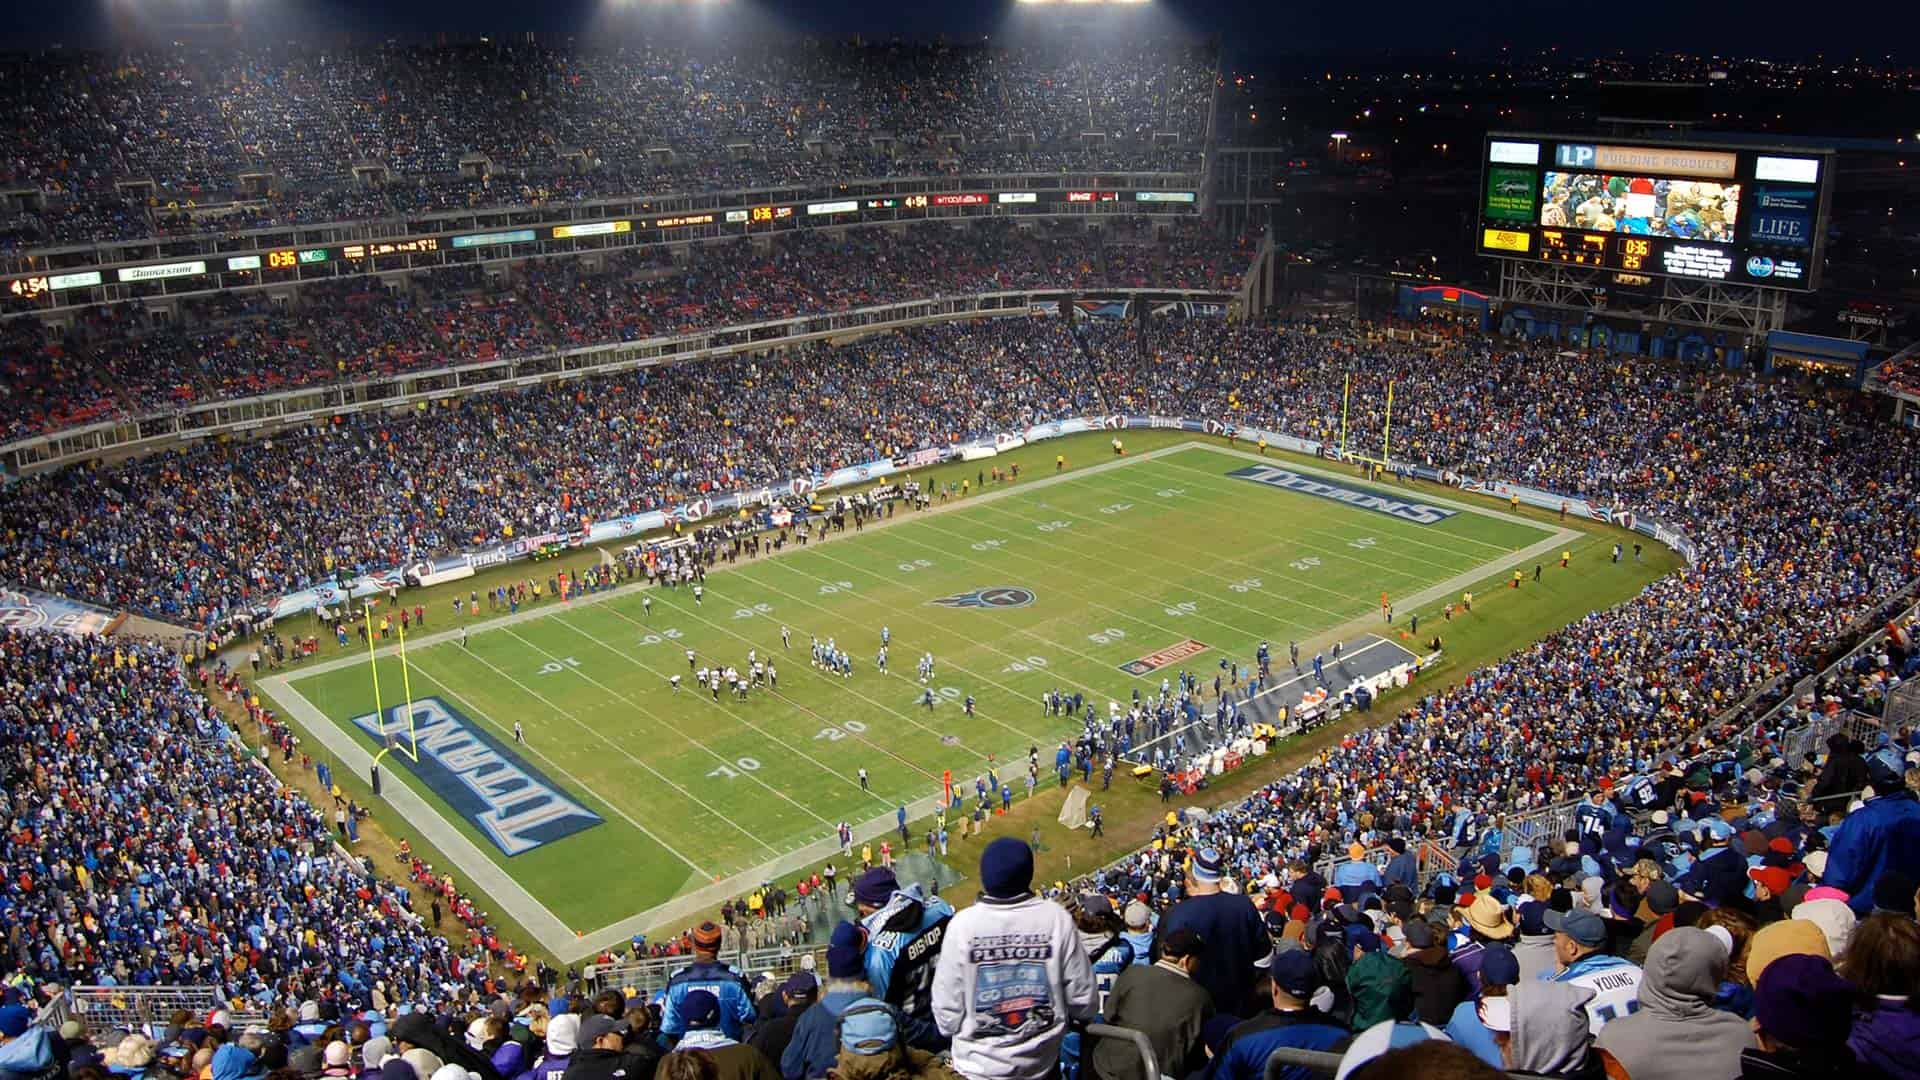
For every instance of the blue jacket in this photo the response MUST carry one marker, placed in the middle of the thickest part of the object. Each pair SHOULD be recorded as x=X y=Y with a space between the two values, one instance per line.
x=1250 y=1044
x=720 y=980
x=1885 y=832
x=1403 y=870
x=33 y=1056
x=816 y=1036
x=903 y=946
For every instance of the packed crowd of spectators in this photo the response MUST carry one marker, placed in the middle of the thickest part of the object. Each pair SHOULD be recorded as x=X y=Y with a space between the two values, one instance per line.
x=140 y=850
x=239 y=344
x=1714 y=909
x=645 y=119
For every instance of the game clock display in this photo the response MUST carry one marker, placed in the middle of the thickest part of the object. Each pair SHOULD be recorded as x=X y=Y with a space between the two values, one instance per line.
x=1745 y=215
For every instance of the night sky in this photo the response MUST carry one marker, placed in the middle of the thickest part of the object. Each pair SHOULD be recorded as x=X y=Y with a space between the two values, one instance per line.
x=1250 y=30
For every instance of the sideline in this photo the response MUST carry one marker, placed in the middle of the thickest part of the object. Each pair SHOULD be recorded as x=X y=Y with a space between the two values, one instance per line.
x=553 y=934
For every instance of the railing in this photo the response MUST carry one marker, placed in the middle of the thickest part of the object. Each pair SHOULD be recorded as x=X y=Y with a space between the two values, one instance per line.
x=1318 y=1061
x=650 y=974
x=103 y=1008
x=1150 y=1067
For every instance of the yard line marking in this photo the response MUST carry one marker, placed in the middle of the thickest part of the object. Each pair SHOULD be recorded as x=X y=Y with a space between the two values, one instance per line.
x=1055 y=567
x=1025 y=735
x=750 y=725
x=475 y=710
x=595 y=732
x=665 y=600
x=1189 y=567
x=910 y=611
x=717 y=756
x=1356 y=530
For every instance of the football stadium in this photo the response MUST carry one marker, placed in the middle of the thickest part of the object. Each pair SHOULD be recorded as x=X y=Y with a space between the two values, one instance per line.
x=1051 y=542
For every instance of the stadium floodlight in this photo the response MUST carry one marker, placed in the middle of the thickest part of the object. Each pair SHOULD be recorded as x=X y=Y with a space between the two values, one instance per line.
x=1085 y=3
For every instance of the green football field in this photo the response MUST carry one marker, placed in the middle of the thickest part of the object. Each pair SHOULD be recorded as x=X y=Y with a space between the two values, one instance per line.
x=1050 y=582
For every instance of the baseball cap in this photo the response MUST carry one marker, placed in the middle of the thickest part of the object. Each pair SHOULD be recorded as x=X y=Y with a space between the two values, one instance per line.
x=1293 y=971
x=700 y=1009
x=800 y=985
x=1583 y=927
x=1499 y=966
x=596 y=1026
x=867 y=1027
x=1095 y=905
x=1775 y=879
x=847 y=952
x=1139 y=915
x=14 y=1020
x=1662 y=897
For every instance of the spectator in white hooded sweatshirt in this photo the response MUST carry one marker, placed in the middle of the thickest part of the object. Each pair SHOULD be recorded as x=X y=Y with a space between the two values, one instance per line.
x=1012 y=972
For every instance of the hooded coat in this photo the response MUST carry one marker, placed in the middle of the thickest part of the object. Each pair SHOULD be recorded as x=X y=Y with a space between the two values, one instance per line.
x=1677 y=1034
x=1381 y=988
x=1884 y=1037
x=1438 y=985
x=420 y=1030
x=1551 y=1035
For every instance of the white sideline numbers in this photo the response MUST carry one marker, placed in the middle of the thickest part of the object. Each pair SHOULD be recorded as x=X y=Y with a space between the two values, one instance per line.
x=832 y=587
x=664 y=635
x=1307 y=563
x=555 y=667
x=1244 y=585
x=1361 y=543
x=726 y=772
x=835 y=734
x=1053 y=526
x=750 y=612
x=988 y=545
x=1031 y=663
x=916 y=564
x=1107 y=636
x=1115 y=508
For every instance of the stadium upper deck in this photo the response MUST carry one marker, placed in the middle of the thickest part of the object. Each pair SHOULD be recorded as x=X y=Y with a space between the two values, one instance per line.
x=104 y=147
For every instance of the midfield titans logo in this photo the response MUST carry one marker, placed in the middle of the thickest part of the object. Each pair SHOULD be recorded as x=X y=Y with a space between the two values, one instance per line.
x=998 y=596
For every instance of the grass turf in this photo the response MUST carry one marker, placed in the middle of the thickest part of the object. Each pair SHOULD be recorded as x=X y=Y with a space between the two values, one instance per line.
x=1122 y=562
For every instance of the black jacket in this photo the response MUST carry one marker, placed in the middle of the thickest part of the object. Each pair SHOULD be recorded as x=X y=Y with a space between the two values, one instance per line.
x=1438 y=986
x=771 y=1037
x=593 y=1063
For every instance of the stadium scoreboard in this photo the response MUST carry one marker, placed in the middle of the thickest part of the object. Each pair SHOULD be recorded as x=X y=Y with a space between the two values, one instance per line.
x=1741 y=215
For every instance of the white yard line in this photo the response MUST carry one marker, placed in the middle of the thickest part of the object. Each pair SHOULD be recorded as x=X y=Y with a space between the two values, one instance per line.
x=415 y=815
x=618 y=695
x=616 y=747
x=426 y=820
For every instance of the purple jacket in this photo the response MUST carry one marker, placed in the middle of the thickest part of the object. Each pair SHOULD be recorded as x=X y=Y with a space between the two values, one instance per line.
x=1886 y=1038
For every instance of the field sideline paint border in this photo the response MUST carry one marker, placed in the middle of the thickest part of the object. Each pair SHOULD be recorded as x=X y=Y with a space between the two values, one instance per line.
x=426 y=820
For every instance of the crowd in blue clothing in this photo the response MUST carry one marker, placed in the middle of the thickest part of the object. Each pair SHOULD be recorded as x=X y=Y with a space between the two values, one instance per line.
x=139 y=849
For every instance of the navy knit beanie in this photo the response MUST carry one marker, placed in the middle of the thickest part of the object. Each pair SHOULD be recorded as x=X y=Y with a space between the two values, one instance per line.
x=1006 y=868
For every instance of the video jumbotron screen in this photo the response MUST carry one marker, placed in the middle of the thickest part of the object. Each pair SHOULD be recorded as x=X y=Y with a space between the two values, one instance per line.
x=1010 y=540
